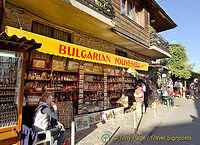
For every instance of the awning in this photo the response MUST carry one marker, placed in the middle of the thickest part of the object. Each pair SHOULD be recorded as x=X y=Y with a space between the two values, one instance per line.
x=64 y=49
x=15 y=43
x=158 y=66
x=133 y=72
x=72 y=15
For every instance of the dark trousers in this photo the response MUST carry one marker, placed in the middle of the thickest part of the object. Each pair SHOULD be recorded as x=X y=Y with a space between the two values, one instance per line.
x=145 y=100
x=192 y=93
x=172 y=100
x=59 y=133
x=196 y=93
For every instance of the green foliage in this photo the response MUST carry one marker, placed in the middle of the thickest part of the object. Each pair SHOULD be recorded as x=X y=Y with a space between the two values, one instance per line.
x=154 y=34
x=177 y=64
x=152 y=30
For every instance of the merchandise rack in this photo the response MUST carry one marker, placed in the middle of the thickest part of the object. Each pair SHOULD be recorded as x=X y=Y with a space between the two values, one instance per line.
x=93 y=92
x=12 y=65
x=53 y=80
x=130 y=91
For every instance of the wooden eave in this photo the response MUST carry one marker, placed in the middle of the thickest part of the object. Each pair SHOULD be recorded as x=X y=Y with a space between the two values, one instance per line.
x=162 y=21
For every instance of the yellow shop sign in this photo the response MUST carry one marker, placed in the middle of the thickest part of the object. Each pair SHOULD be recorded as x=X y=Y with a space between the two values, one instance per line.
x=64 y=49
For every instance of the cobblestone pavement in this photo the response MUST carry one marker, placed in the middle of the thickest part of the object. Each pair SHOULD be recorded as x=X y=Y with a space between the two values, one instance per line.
x=121 y=128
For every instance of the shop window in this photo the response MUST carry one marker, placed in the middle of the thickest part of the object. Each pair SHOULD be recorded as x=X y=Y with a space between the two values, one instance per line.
x=50 y=32
x=124 y=7
x=133 y=10
x=129 y=9
x=121 y=53
x=139 y=15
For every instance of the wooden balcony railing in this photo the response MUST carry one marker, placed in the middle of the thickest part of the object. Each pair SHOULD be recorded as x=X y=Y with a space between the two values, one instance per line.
x=160 y=42
x=102 y=6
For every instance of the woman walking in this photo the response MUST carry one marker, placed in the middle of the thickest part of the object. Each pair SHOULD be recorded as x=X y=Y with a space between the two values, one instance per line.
x=139 y=96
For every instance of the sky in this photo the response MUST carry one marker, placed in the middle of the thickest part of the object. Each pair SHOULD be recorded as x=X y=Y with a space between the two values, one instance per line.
x=186 y=14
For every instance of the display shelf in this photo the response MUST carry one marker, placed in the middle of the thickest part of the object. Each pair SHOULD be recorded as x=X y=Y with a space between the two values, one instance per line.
x=34 y=92
x=8 y=135
x=7 y=94
x=94 y=81
x=39 y=69
x=37 y=80
x=92 y=112
x=129 y=77
x=92 y=90
x=86 y=100
x=6 y=67
x=114 y=97
x=63 y=81
x=116 y=82
x=65 y=109
x=31 y=105
x=129 y=82
x=93 y=85
x=114 y=75
x=129 y=95
x=60 y=91
x=116 y=90
x=7 y=128
x=3 y=101
x=92 y=73
x=7 y=88
x=65 y=91
x=65 y=71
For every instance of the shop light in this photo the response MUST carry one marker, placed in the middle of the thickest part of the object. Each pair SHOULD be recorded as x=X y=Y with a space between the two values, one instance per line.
x=7 y=54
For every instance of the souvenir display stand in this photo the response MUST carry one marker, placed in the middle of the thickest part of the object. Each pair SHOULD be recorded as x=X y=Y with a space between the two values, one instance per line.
x=51 y=73
x=80 y=87
x=13 y=52
x=129 y=88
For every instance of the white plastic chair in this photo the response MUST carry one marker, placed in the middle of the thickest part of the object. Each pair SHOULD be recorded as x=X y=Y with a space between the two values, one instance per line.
x=47 y=139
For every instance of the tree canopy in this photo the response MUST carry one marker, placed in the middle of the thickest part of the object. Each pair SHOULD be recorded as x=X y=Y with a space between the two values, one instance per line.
x=178 y=63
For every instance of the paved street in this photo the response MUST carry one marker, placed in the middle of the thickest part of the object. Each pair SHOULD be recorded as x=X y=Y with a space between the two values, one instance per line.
x=183 y=121
x=122 y=126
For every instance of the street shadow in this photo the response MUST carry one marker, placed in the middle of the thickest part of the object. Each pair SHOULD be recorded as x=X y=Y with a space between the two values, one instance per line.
x=112 y=135
x=180 y=132
x=83 y=133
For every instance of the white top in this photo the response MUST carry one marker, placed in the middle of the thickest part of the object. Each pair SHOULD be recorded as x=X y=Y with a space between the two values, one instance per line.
x=180 y=85
x=143 y=87
x=41 y=121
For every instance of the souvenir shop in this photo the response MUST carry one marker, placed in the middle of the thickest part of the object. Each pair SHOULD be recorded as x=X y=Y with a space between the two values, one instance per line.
x=89 y=85
x=13 y=52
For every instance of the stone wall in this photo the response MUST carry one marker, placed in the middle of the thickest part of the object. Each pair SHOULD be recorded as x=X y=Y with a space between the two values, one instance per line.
x=17 y=18
x=94 y=43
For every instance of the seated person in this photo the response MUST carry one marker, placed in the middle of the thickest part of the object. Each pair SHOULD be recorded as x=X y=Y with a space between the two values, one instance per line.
x=168 y=93
x=46 y=115
x=177 y=92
